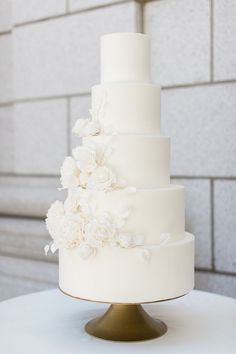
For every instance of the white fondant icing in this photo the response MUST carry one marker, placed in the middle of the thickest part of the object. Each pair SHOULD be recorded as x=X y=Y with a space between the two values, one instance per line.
x=122 y=276
x=142 y=161
x=152 y=211
x=130 y=108
x=125 y=57
x=133 y=246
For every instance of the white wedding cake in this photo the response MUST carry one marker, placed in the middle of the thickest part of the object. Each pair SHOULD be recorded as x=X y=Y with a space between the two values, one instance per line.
x=121 y=231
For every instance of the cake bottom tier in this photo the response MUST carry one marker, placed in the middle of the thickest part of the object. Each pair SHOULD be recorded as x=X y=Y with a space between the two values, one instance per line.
x=117 y=275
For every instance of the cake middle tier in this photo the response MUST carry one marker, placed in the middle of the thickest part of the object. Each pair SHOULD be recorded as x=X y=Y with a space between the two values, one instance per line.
x=140 y=160
x=152 y=212
x=128 y=108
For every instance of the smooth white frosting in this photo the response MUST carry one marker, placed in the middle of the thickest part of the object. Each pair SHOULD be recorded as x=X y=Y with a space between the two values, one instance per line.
x=125 y=57
x=152 y=211
x=142 y=161
x=124 y=276
x=130 y=108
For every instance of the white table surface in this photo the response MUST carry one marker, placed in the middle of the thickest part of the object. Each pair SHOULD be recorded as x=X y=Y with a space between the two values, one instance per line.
x=51 y=323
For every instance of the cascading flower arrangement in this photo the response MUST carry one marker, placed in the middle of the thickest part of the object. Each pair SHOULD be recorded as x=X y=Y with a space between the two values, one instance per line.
x=77 y=223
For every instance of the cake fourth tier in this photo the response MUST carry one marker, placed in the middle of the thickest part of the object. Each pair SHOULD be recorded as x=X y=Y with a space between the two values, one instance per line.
x=152 y=213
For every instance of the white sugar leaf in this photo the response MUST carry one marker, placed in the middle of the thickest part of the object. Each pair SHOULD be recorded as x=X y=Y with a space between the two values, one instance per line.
x=53 y=248
x=60 y=189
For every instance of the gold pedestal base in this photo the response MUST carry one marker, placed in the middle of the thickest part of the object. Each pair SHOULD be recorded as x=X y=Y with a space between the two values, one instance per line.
x=126 y=323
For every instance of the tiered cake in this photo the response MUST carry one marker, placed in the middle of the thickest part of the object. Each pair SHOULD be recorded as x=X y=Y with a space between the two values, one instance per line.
x=121 y=231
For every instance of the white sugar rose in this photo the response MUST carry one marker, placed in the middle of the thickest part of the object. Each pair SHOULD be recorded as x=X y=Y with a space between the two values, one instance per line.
x=54 y=219
x=83 y=179
x=69 y=173
x=86 y=127
x=78 y=202
x=72 y=203
x=93 y=242
x=85 y=157
x=56 y=209
x=102 y=153
x=101 y=179
x=99 y=230
x=72 y=231
x=67 y=230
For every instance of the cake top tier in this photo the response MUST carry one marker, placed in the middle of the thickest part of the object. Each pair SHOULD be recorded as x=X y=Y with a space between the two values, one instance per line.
x=125 y=57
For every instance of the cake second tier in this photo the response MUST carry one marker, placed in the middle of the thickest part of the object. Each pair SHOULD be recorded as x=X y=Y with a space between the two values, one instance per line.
x=140 y=160
x=127 y=107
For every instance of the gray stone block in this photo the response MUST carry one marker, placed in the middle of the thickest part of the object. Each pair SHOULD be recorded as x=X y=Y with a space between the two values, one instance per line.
x=216 y=283
x=20 y=276
x=61 y=56
x=180 y=33
x=12 y=287
x=201 y=124
x=5 y=15
x=6 y=68
x=40 y=136
x=24 y=238
x=44 y=272
x=31 y=10
x=224 y=39
x=6 y=139
x=28 y=196
x=84 y=5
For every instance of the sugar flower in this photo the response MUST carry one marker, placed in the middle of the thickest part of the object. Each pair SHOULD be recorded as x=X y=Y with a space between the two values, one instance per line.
x=69 y=173
x=86 y=127
x=85 y=157
x=101 y=179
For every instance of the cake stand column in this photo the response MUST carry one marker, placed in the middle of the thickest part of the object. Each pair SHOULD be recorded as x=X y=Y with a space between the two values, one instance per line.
x=125 y=322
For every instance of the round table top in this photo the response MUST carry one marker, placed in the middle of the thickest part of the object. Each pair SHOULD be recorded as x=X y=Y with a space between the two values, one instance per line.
x=52 y=323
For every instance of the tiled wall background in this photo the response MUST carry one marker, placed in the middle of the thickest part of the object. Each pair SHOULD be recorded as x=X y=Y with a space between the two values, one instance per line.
x=49 y=58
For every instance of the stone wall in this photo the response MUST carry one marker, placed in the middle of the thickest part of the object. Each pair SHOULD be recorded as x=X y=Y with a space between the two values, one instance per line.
x=49 y=59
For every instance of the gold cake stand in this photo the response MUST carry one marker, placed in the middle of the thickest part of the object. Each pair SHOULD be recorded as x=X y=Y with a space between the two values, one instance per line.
x=125 y=322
